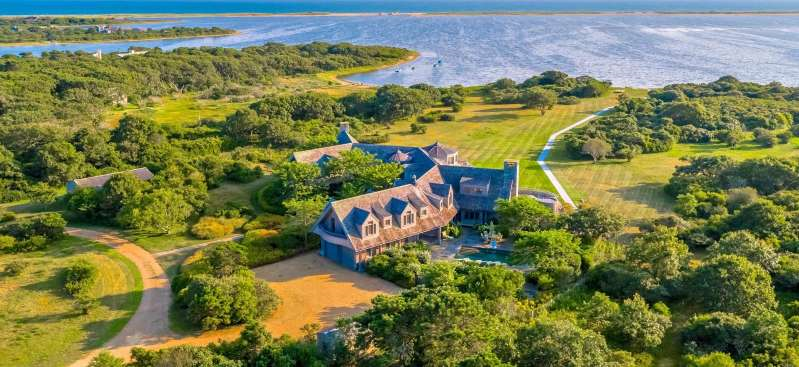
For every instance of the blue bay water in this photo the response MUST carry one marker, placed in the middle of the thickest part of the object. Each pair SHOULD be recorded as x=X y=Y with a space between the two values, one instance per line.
x=26 y=7
x=630 y=50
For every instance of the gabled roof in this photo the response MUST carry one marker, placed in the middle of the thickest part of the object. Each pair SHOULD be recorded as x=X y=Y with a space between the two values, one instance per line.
x=344 y=137
x=143 y=174
x=319 y=155
x=496 y=187
x=439 y=151
x=351 y=211
x=399 y=157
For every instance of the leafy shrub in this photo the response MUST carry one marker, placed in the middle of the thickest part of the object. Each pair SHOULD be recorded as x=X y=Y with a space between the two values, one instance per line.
x=6 y=216
x=15 y=268
x=426 y=119
x=452 y=230
x=212 y=302
x=266 y=246
x=242 y=173
x=795 y=130
x=211 y=227
x=50 y=226
x=265 y=221
x=79 y=278
x=568 y=100
x=105 y=359
x=401 y=265
x=446 y=117
x=765 y=138
x=418 y=128
x=784 y=137
x=35 y=243
x=7 y=243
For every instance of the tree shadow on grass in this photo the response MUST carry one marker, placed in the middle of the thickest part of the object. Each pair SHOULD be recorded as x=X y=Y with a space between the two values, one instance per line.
x=500 y=117
x=330 y=315
x=649 y=194
x=498 y=109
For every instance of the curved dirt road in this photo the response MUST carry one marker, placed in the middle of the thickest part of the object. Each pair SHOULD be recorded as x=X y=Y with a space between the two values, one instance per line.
x=150 y=324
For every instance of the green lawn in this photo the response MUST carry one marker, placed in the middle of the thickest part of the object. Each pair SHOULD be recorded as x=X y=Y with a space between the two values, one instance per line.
x=635 y=189
x=486 y=134
x=183 y=109
x=39 y=323
x=240 y=194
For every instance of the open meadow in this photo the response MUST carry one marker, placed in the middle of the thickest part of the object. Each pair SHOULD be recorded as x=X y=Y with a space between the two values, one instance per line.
x=41 y=325
x=487 y=134
x=635 y=189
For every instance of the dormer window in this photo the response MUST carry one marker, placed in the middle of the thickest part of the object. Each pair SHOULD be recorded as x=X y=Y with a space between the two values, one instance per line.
x=423 y=212
x=370 y=229
x=387 y=222
x=407 y=219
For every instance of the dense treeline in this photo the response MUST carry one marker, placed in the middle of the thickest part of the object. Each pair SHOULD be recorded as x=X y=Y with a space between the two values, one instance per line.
x=543 y=91
x=60 y=21
x=71 y=86
x=50 y=108
x=27 y=33
x=726 y=111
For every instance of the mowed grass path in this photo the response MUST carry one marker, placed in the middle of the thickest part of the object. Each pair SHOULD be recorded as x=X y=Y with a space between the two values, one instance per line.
x=40 y=324
x=487 y=134
x=635 y=189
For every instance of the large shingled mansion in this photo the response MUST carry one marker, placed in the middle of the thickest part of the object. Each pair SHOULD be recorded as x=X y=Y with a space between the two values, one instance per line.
x=436 y=188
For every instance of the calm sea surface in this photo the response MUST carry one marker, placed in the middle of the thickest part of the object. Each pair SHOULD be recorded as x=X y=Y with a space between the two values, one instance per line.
x=26 y=7
x=630 y=50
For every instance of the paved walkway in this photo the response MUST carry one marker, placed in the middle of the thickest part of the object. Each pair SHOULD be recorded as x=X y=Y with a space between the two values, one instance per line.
x=150 y=324
x=551 y=144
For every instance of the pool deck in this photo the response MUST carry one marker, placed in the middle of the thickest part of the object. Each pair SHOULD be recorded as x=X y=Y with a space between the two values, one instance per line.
x=449 y=248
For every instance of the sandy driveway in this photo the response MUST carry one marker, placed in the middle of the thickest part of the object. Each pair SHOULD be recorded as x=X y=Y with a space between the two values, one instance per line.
x=150 y=324
x=312 y=290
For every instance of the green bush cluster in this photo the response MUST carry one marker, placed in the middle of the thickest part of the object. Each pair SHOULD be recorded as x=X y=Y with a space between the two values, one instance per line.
x=79 y=278
x=31 y=233
x=721 y=111
x=218 y=289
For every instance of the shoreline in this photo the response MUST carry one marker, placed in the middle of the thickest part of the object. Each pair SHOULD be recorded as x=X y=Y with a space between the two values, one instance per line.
x=339 y=76
x=47 y=43
x=145 y=16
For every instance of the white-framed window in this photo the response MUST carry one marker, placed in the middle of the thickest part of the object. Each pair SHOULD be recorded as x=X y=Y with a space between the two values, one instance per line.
x=407 y=219
x=423 y=212
x=387 y=222
x=370 y=228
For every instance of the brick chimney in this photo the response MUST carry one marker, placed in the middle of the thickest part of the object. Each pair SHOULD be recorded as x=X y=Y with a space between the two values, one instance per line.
x=511 y=175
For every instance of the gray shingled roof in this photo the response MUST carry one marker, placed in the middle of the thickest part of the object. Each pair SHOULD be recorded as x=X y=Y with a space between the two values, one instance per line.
x=350 y=211
x=496 y=189
x=315 y=155
x=99 y=181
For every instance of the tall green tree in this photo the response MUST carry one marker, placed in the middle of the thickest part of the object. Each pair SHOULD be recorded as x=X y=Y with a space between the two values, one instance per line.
x=301 y=214
x=554 y=255
x=523 y=213
x=539 y=99
x=559 y=343
x=731 y=283
x=428 y=326
x=159 y=211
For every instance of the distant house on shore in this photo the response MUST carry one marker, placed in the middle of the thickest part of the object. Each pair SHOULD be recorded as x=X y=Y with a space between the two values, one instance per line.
x=97 y=182
x=436 y=189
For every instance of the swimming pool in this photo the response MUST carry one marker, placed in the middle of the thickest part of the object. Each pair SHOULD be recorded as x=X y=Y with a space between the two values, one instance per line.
x=483 y=255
